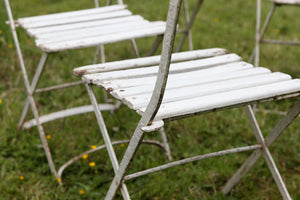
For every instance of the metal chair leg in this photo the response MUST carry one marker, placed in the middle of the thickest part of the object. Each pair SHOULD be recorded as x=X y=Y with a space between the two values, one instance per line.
x=33 y=86
x=130 y=151
x=106 y=138
x=189 y=25
x=274 y=134
x=267 y=155
x=29 y=91
x=260 y=33
x=166 y=144
x=187 y=21
x=135 y=48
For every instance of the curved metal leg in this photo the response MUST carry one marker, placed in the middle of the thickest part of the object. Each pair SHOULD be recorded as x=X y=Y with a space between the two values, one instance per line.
x=71 y=161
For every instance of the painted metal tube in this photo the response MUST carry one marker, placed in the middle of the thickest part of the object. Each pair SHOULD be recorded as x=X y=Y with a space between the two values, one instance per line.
x=192 y=159
x=156 y=98
x=33 y=86
x=108 y=144
x=28 y=89
x=189 y=26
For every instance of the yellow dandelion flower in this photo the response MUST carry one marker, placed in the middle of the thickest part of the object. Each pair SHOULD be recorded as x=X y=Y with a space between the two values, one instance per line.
x=81 y=191
x=94 y=146
x=216 y=20
x=92 y=164
x=48 y=137
x=58 y=180
x=85 y=156
x=1 y=32
x=0 y=101
x=10 y=46
x=122 y=145
x=21 y=177
x=277 y=31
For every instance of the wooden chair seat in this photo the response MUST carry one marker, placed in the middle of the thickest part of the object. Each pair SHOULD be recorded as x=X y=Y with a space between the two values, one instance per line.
x=89 y=27
x=212 y=80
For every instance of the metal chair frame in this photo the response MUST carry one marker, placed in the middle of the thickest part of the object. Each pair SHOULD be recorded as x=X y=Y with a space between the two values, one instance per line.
x=260 y=31
x=152 y=119
x=31 y=89
x=189 y=21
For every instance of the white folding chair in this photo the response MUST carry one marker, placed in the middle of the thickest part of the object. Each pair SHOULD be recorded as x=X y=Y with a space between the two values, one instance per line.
x=173 y=86
x=260 y=32
x=73 y=30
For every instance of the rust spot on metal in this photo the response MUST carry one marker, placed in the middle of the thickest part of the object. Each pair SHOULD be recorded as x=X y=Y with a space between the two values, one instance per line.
x=109 y=89
x=243 y=170
x=122 y=90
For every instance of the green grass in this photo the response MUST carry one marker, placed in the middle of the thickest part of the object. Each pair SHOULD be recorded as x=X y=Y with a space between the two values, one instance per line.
x=220 y=23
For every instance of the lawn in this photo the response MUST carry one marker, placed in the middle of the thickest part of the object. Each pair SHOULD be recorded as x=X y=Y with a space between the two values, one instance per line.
x=24 y=172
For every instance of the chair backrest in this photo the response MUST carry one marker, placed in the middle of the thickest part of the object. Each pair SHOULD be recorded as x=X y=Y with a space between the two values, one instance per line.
x=164 y=65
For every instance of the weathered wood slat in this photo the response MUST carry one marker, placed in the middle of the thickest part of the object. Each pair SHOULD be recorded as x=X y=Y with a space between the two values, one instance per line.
x=148 y=61
x=101 y=30
x=137 y=90
x=36 y=32
x=291 y=2
x=86 y=18
x=178 y=79
x=172 y=95
x=226 y=99
x=77 y=13
x=96 y=32
x=174 y=68
x=92 y=41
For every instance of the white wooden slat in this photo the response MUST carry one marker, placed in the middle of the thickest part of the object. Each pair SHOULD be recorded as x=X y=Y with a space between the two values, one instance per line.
x=177 y=78
x=92 y=41
x=124 y=27
x=172 y=95
x=75 y=33
x=204 y=79
x=291 y=2
x=87 y=18
x=81 y=25
x=174 y=67
x=148 y=61
x=57 y=16
x=225 y=99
